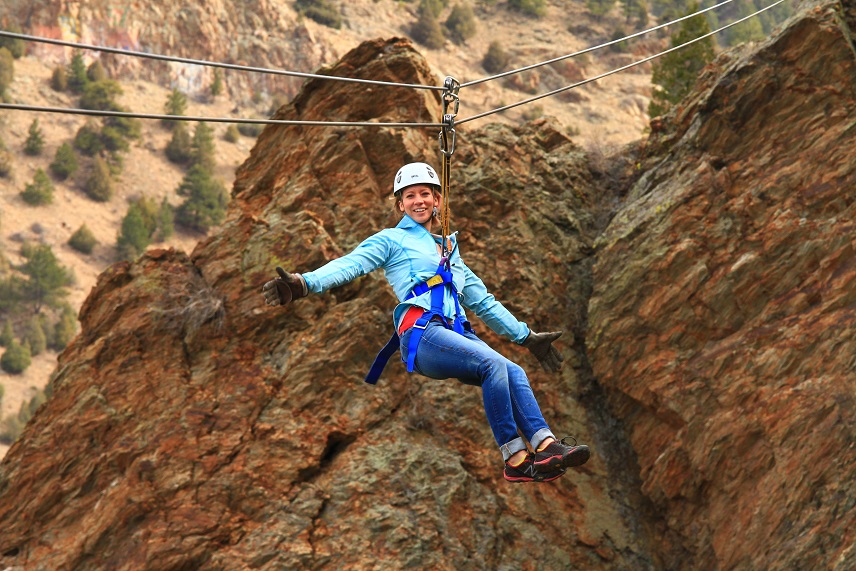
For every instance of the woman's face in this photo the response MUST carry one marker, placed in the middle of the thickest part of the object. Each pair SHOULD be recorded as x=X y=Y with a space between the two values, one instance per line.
x=418 y=202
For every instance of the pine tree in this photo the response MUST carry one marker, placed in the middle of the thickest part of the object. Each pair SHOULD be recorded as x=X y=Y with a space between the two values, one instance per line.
x=427 y=30
x=7 y=71
x=206 y=200
x=179 y=150
x=77 y=79
x=7 y=335
x=46 y=277
x=35 y=336
x=65 y=162
x=88 y=139
x=40 y=191
x=217 y=83
x=176 y=104
x=65 y=328
x=35 y=141
x=166 y=220
x=135 y=234
x=203 y=147
x=495 y=59
x=675 y=73
x=461 y=23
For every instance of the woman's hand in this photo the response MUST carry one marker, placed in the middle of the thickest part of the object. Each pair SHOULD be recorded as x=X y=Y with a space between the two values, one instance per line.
x=541 y=345
x=284 y=288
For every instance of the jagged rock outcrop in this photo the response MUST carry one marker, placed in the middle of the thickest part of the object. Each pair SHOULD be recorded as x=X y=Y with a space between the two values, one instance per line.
x=723 y=321
x=193 y=427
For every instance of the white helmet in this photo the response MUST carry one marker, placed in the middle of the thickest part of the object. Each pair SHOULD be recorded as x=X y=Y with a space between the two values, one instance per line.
x=414 y=173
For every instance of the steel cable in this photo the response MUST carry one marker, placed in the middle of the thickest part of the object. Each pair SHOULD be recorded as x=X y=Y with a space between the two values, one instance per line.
x=614 y=71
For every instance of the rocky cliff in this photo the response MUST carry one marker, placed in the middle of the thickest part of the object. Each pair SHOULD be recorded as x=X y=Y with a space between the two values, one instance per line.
x=191 y=427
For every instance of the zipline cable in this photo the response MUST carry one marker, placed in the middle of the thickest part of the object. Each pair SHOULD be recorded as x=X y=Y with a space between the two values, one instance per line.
x=231 y=66
x=591 y=49
x=614 y=71
x=129 y=115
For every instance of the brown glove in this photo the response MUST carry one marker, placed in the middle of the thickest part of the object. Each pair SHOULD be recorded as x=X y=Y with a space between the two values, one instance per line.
x=284 y=288
x=541 y=345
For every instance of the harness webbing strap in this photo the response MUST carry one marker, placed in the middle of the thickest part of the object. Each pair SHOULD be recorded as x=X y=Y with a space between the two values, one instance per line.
x=437 y=289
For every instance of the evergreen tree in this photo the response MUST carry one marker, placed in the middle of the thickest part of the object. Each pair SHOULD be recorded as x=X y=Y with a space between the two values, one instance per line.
x=99 y=183
x=96 y=72
x=599 y=8
x=179 y=149
x=203 y=147
x=206 y=200
x=35 y=141
x=217 y=83
x=461 y=23
x=7 y=335
x=101 y=95
x=65 y=162
x=65 y=328
x=83 y=240
x=14 y=45
x=40 y=191
x=232 y=135
x=77 y=79
x=16 y=358
x=176 y=104
x=496 y=58
x=7 y=71
x=88 y=139
x=322 y=11
x=166 y=220
x=748 y=31
x=135 y=234
x=46 y=277
x=35 y=336
x=676 y=72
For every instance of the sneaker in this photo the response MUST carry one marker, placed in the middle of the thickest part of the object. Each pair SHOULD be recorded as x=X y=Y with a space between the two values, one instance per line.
x=560 y=456
x=526 y=472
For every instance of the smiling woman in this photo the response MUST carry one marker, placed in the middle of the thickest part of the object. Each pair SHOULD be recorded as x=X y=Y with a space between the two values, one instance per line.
x=433 y=286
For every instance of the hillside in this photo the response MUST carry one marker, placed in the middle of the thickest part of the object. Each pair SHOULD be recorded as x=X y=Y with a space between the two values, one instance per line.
x=601 y=115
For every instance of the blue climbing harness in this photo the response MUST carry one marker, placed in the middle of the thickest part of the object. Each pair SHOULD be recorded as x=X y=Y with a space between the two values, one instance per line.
x=436 y=284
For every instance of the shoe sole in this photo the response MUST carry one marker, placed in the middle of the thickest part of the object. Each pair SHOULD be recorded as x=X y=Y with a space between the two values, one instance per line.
x=524 y=479
x=577 y=456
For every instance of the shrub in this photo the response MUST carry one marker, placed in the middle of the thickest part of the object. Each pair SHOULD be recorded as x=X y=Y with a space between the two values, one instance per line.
x=14 y=45
x=35 y=141
x=206 y=200
x=427 y=30
x=40 y=191
x=59 y=79
x=83 y=240
x=65 y=162
x=7 y=70
x=88 y=139
x=322 y=11
x=496 y=58
x=250 y=129
x=16 y=358
x=232 y=134
x=529 y=7
x=99 y=184
x=461 y=23
x=12 y=428
x=96 y=72
x=5 y=162
x=179 y=150
x=217 y=83
x=77 y=79
x=166 y=220
x=101 y=95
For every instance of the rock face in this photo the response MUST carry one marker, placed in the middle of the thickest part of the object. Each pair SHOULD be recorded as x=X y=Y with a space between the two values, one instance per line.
x=723 y=320
x=191 y=427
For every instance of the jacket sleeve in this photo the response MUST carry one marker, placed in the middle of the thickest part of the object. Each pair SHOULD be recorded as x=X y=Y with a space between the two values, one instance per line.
x=371 y=254
x=477 y=299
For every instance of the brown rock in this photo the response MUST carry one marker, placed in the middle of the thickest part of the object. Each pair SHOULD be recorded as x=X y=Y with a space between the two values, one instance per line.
x=722 y=320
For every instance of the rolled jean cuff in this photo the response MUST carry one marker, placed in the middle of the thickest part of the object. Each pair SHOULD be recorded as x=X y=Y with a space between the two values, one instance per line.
x=510 y=448
x=539 y=437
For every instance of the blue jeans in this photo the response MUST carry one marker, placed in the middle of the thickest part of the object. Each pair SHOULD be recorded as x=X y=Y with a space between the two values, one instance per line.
x=508 y=400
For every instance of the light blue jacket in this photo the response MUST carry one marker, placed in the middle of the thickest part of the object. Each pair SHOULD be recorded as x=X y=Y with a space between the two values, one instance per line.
x=408 y=255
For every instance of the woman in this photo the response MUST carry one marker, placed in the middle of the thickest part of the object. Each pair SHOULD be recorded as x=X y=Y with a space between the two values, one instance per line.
x=434 y=337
